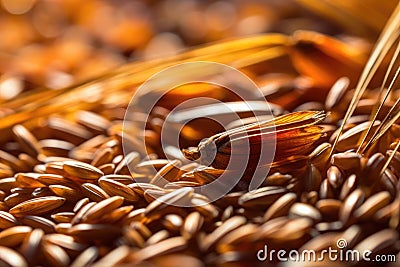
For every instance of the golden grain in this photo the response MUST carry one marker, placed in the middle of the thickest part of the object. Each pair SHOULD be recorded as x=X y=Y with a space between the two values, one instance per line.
x=37 y=206
x=81 y=170
x=115 y=188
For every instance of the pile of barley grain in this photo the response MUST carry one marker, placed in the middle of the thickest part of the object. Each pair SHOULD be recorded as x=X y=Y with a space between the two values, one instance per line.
x=68 y=198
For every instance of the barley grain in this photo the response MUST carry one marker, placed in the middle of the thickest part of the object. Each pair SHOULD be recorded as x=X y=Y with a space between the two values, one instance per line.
x=280 y=207
x=81 y=170
x=37 y=206
x=31 y=243
x=14 y=236
x=116 y=188
x=304 y=210
x=94 y=192
x=351 y=203
x=55 y=255
x=10 y=257
x=173 y=244
x=372 y=205
x=39 y=222
x=102 y=208
x=86 y=258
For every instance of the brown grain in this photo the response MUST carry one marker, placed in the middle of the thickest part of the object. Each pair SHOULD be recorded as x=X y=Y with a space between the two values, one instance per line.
x=64 y=241
x=152 y=194
x=140 y=188
x=115 y=188
x=31 y=243
x=66 y=192
x=158 y=237
x=149 y=166
x=372 y=205
x=172 y=222
x=81 y=170
x=90 y=232
x=51 y=179
x=134 y=216
x=14 y=236
x=37 y=206
x=28 y=180
x=80 y=204
x=351 y=203
x=304 y=210
x=329 y=208
x=178 y=197
x=127 y=163
x=55 y=147
x=280 y=207
x=192 y=225
x=102 y=208
x=379 y=241
x=94 y=192
x=169 y=173
x=348 y=186
x=173 y=244
x=10 y=257
x=225 y=228
x=26 y=140
x=39 y=222
x=55 y=255
x=335 y=177
x=93 y=121
x=86 y=258
x=81 y=212
x=114 y=257
x=7 y=220
x=237 y=238
x=116 y=215
x=262 y=197
x=102 y=156
x=63 y=217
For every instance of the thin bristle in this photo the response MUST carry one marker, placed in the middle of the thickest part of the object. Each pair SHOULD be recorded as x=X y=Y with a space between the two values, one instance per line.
x=390 y=157
x=379 y=105
x=392 y=116
x=389 y=35
x=375 y=115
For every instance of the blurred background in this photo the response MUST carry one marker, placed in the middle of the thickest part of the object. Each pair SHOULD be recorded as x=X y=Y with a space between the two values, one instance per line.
x=56 y=43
